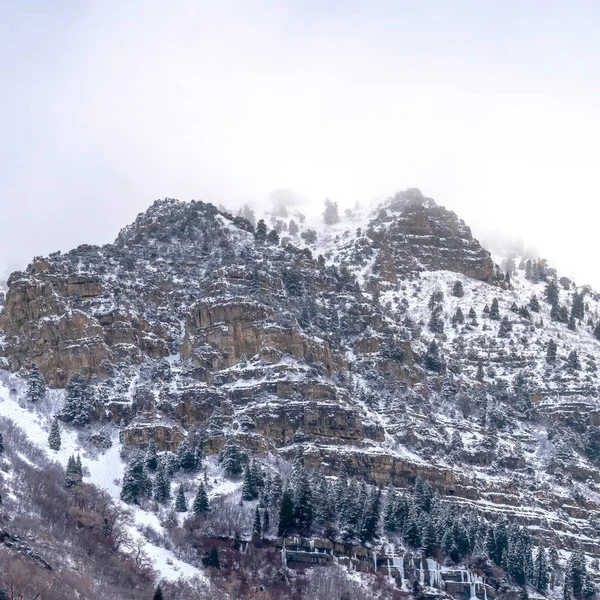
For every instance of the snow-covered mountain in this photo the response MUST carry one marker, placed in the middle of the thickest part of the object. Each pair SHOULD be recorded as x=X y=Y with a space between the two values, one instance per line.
x=370 y=406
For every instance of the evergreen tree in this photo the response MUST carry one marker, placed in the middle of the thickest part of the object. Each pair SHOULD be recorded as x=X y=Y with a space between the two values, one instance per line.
x=36 y=387
x=390 y=523
x=578 y=307
x=457 y=289
x=186 y=456
x=597 y=331
x=331 y=214
x=572 y=325
x=524 y=312
x=201 y=506
x=54 y=440
x=136 y=482
x=429 y=540
x=286 y=514
x=458 y=316
x=161 y=490
x=273 y=237
x=505 y=327
x=551 y=293
x=577 y=570
x=303 y=504
x=266 y=524
x=293 y=228
x=257 y=525
x=551 y=352
x=495 y=310
x=371 y=516
x=231 y=459
x=211 y=559
x=480 y=376
x=276 y=490
x=249 y=489
x=158 y=595
x=436 y=322
x=78 y=407
x=534 y=304
x=1 y=444
x=541 y=571
x=151 y=459
x=573 y=361
x=73 y=473
x=433 y=359
x=180 y=502
x=79 y=467
x=261 y=231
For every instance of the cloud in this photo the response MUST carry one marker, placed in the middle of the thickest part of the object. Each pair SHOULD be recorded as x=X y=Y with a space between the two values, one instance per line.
x=111 y=105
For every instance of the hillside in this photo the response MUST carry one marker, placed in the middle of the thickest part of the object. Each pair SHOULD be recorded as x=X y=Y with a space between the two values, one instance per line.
x=373 y=407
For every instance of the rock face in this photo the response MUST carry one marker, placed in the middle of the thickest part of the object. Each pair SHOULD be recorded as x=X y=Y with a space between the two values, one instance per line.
x=190 y=323
x=409 y=233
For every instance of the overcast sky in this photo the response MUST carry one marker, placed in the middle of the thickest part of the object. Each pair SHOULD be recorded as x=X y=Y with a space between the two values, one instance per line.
x=490 y=107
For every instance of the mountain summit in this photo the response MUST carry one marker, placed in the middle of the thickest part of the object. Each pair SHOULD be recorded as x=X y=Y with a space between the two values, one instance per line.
x=375 y=396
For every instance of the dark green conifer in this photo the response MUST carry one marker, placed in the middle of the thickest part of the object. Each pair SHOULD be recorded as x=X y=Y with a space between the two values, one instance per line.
x=54 y=440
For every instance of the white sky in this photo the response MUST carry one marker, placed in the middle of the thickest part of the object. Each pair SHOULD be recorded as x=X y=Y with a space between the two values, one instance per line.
x=491 y=108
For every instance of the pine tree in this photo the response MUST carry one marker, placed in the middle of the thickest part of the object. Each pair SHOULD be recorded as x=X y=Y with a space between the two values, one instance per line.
x=303 y=504
x=266 y=524
x=371 y=516
x=551 y=352
x=495 y=310
x=158 y=595
x=36 y=387
x=458 y=316
x=480 y=376
x=286 y=514
x=578 y=307
x=211 y=559
x=1 y=444
x=73 y=473
x=551 y=293
x=541 y=571
x=597 y=331
x=293 y=228
x=390 y=523
x=577 y=570
x=79 y=467
x=201 y=506
x=273 y=237
x=231 y=459
x=78 y=407
x=534 y=304
x=257 y=525
x=505 y=327
x=186 y=456
x=457 y=289
x=261 y=231
x=151 y=459
x=180 y=502
x=136 y=482
x=249 y=489
x=54 y=440
x=433 y=360
x=573 y=361
x=572 y=326
x=161 y=490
